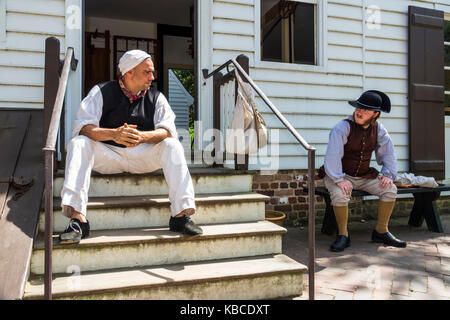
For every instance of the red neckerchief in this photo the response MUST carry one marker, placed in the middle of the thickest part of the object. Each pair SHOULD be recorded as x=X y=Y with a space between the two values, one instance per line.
x=131 y=97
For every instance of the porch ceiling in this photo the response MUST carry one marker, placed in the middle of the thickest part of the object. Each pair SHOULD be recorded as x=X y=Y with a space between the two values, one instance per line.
x=174 y=12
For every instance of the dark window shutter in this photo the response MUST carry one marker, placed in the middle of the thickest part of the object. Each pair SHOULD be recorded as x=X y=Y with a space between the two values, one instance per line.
x=426 y=92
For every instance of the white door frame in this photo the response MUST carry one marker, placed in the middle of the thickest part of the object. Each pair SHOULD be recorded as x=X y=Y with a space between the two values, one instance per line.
x=205 y=61
x=74 y=30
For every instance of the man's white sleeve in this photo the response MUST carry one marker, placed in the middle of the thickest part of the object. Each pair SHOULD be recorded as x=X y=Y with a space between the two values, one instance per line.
x=385 y=153
x=335 y=151
x=90 y=111
x=164 y=116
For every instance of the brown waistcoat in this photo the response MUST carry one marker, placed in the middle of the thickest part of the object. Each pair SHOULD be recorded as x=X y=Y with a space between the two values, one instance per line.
x=358 y=151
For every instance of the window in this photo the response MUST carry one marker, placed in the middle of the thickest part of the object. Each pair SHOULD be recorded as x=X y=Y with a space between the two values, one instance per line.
x=447 y=66
x=288 y=31
x=123 y=44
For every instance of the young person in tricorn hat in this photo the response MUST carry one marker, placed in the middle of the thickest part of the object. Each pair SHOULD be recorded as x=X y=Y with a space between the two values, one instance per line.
x=347 y=166
x=125 y=125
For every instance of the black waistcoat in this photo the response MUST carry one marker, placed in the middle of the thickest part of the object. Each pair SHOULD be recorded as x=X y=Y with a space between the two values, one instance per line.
x=118 y=110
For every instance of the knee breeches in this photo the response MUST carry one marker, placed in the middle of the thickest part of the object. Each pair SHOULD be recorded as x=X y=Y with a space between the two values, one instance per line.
x=85 y=155
x=372 y=186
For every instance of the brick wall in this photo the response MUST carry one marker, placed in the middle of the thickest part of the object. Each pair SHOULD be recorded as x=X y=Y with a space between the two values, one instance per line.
x=286 y=195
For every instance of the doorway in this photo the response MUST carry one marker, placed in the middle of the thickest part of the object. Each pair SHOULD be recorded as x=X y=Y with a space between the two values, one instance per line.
x=166 y=30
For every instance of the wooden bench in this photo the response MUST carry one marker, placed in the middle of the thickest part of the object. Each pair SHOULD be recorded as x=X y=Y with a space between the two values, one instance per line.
x=424 y=207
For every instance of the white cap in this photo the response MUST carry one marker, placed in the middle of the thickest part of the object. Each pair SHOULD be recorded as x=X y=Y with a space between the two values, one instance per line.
x=131 y=59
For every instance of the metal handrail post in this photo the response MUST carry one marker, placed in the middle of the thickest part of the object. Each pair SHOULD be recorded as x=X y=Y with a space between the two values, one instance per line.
x=311 y=223
x=49 y=152
x=49 y=165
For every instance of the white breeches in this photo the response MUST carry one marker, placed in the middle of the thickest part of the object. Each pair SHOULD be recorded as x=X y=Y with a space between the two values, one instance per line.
x=85 y=155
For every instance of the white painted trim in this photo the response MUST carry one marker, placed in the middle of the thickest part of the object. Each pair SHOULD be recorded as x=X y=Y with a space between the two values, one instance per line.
x=74 y=38
x=205 y=55
x=321 y=42
x=306 y=1
x=2 y=24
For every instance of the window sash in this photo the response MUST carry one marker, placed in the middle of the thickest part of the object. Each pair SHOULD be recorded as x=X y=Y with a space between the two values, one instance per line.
x=288 y=37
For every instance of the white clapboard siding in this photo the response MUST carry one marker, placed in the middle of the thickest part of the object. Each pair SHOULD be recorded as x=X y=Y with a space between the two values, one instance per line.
x=179 y=100
x=22 y=57
x=358 y=57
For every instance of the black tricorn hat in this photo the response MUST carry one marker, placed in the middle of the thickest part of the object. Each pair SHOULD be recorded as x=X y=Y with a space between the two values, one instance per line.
x=373 y=100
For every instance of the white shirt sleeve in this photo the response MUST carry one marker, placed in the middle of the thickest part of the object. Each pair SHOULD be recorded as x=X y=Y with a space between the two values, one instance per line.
x=385 y=153
x=335 y=151
x=90 y=111
x=164 y=116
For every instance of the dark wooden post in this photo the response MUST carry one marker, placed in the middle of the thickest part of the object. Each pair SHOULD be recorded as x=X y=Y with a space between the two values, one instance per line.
x=217 y=83
x=51 y=78
x=241 y=161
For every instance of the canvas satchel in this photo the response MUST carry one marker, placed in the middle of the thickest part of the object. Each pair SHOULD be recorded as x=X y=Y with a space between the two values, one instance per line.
x=248 y=131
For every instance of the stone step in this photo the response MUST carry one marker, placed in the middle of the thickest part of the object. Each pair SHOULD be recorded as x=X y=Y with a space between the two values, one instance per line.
x=205 y=180
x=260 y=277
x=154 y=211
x=158 y=246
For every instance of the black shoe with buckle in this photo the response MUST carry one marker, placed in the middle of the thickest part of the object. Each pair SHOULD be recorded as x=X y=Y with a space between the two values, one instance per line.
x=388 y=239
x=184 y=225
x=340 y=243
x=76 y=231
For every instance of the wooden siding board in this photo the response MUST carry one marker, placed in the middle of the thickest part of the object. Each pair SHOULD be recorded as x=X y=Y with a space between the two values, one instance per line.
x=388 y=72
x=220 y=55
x=387 y=85
x=388 y=45
x=233 y=27
x=233 y=42
x=344 y=11
x=259 y=74
x=21 y=105
x=22 y=59
x=35 y=23
x=29 y=42
x=342 y=25
x=345 y=67
x=350 y=53
x=21 y=93
x=347 y=39
x=389 y=32
x=233 y=11
x=12 y=75
x=43 y=7
x=387 y=58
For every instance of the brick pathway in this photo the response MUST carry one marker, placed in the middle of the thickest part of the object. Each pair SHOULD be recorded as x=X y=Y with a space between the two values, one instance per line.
x=370 y=271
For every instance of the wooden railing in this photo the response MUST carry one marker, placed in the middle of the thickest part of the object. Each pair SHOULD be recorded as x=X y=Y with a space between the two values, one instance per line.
x=220 y=79
x=53 y=108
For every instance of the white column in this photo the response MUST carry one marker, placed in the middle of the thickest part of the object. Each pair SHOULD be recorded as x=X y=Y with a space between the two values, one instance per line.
x=74 y=38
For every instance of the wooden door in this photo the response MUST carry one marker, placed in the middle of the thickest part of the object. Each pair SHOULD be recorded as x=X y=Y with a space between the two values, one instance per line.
x=97 y=59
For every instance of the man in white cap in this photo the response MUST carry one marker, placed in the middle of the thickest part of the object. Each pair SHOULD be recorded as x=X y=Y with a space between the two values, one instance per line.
x=126 y=126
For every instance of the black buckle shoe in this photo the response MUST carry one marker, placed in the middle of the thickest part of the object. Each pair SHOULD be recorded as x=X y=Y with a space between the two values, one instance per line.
x=340 y=243
x=388 y=239
x=76 y=231
x=184 y=225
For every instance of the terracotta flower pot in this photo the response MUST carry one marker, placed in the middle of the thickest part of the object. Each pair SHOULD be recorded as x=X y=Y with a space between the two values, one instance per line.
x=276 y=217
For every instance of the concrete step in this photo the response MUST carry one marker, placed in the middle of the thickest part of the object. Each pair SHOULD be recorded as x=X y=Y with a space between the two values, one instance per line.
x=154 y=211
x=261 y=277
x=158 y=246
x=205 y=180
